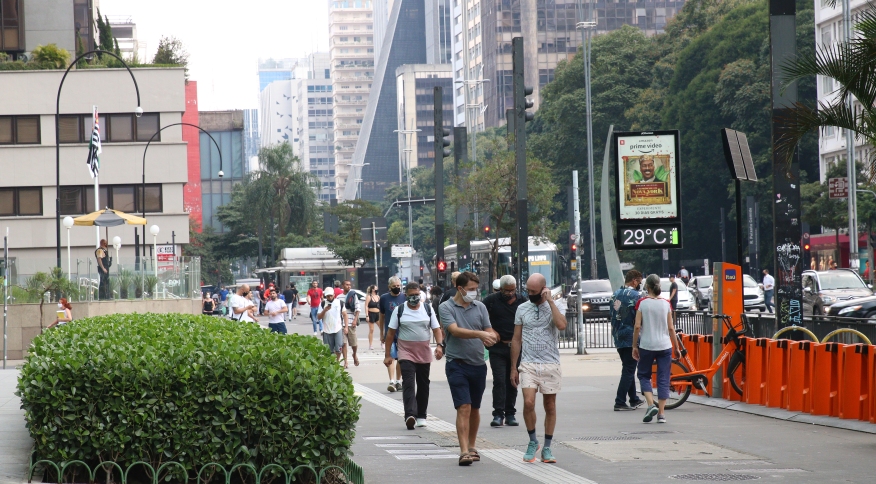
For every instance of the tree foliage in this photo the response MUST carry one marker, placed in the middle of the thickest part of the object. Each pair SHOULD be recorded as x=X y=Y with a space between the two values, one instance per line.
x=51 y=54
x=347 y=243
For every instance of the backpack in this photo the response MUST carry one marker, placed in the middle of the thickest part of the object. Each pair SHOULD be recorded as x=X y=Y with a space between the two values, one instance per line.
x=401 y=310
x=350 y=302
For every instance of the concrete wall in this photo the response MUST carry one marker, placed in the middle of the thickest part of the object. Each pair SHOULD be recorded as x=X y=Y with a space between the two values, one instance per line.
x=49 y=22
x=24 y=326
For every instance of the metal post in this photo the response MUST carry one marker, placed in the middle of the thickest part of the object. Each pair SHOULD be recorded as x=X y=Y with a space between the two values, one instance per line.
x=69 y=264
x=374 y=241
x=460 y=160
x=851 y=170
x=786 y=177
x=739 y=243
x=576 y=204
x=520 y=155
x=439 y=177
x=5 y=291
x=723 y=237
x=586 y=24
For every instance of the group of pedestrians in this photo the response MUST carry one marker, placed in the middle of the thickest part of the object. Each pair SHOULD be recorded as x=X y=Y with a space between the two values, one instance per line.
x=644 y=335
x=518 y=332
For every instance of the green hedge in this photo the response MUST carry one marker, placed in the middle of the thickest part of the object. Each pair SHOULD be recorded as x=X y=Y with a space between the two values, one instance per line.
x=191 y=389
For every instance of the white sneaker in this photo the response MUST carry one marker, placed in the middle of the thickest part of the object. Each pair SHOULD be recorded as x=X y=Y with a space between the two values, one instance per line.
x=421 y=422
x=315 y=333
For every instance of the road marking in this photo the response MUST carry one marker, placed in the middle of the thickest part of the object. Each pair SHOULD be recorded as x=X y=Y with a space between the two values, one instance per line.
x=546 y=473
x=512 y=459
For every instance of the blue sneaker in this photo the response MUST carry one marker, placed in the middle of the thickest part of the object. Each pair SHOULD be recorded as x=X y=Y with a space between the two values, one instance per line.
x=547 y=456
x=650 y=413
x=531 y=450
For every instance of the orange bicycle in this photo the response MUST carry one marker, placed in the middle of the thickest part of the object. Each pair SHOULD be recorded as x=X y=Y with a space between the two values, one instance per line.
x=685 y=375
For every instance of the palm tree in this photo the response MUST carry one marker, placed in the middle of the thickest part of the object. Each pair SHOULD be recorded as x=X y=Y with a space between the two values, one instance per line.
x=852 y=65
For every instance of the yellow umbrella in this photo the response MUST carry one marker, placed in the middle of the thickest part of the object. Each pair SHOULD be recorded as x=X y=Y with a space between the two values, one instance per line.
x=108 y=218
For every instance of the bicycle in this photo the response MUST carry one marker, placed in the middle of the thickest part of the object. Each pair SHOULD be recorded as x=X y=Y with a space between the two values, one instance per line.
x=683 y=377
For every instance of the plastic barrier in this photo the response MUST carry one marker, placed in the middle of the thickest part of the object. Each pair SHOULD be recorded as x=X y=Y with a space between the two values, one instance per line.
x=826 y=377
x=778 y=369
x=691 y=343
x=800 y=376
x=854 y=390
x=756 y=380
x=726 y=388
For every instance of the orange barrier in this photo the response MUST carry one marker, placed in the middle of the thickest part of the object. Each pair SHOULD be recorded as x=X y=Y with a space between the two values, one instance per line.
x=800 y=377
x=727 y=391
x=756 y=380
x=872 y=365
x=854 y=388
x=692 y=345
x=778 y=353
x=826 y=377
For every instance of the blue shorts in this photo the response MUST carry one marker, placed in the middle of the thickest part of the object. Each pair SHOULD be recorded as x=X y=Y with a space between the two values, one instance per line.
x=393 y=351
x=467 y=383
x=277 y=327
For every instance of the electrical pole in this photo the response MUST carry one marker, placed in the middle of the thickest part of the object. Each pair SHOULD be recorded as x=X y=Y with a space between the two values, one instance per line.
x=850 y=156
x=576 y=203
x=586 y=24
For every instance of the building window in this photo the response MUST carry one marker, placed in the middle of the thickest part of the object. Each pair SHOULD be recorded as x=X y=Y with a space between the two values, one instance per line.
x=10 y=25
x=19 y=130
x=76 y=200
x=21 y=201
x=76 y=128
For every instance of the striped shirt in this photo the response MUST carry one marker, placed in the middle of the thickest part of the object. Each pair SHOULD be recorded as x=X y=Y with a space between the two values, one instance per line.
x=539 y=333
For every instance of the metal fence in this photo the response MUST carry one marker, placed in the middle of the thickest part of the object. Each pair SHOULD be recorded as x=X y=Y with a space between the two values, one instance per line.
x=597 y=328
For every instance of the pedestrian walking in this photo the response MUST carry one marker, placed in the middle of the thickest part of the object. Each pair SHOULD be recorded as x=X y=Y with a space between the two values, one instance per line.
x=372 y=302
x=256 y=298
x=769 y=285
x=684 y=275
x=502 y=308
x=654 y=340
x=435 y=293
x=387 y=304
x=242 y=308
x=467 y=328
x=413 y=321
x=351 y=321
x=622 y=314
x=330 y=316
x=276 y=311
x=337 y=288
x=223 y=299
x=536 y=328
x=288 y=296
x=448 y=294
x=207 y=305
x=314 y=297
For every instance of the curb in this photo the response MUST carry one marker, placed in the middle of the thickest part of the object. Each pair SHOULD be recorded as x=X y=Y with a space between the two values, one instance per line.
x=786 y=415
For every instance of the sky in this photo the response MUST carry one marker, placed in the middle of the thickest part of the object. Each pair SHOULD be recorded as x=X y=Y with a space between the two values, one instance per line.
x=225 y=39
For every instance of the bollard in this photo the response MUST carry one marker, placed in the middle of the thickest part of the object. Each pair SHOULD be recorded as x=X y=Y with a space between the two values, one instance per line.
x=800 y=376
x=777 y=373
x=826 y=377
x=854 y=390
x=755 y=371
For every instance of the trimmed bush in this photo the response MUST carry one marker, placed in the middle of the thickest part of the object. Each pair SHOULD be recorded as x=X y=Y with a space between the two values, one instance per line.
x=190 y=389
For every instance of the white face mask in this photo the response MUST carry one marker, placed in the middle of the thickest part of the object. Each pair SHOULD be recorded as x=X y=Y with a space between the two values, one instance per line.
x=470 y=296
x=60 y=306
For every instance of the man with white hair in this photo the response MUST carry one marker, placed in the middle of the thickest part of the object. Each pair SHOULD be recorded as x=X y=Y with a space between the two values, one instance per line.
x=501 y=307
x=388 y=302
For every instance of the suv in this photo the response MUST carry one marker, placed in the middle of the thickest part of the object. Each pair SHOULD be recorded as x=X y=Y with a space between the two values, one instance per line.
x=595 y=296
x=821 y=289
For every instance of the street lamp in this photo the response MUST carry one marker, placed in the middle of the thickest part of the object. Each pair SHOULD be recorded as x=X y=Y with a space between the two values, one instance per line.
x=68 y=222
x=358 y=181
x=137 y=112
x=587 y=26
x=143 y=175
x=154 y=231
x=407 y=151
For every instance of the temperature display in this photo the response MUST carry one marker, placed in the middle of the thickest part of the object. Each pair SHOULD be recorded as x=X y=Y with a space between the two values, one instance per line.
x=649 y=237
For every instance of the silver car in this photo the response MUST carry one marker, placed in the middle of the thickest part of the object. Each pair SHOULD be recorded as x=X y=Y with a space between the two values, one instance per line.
x=700 y=287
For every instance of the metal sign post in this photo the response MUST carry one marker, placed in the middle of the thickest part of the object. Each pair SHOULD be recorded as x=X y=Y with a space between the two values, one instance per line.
x=577 y=210
x=5 y=290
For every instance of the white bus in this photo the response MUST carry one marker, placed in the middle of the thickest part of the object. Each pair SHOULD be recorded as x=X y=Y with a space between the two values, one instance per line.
x=302 y=265
x=543 y=259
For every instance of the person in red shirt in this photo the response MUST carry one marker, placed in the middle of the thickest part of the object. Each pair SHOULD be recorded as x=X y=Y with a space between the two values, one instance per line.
x=314 y=297
x=337 y=289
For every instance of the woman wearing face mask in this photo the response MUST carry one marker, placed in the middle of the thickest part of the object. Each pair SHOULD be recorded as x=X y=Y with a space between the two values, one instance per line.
x=654 y=340
x=65 y=313
x=373 y=301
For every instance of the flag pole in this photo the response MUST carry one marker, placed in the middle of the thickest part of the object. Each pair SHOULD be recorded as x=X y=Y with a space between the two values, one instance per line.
x=94 y=118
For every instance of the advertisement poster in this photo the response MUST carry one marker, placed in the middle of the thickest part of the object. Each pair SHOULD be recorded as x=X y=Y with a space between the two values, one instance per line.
x=647 y=175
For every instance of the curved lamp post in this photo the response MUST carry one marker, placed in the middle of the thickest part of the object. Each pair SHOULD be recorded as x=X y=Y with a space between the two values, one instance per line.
x=138 y=112
x=143 y=179
x=68 y=222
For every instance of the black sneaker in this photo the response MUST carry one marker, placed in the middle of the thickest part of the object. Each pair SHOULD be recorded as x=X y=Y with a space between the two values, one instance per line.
x=510 y=420
x=637 y=404
x=497 y=421
x=622 y=408
x=410 y=422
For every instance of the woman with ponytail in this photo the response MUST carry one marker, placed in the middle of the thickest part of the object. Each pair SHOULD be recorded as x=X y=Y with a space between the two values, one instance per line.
x=654 y=340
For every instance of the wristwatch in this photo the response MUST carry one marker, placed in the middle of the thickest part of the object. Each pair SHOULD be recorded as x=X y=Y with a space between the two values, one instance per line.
x=442 y=344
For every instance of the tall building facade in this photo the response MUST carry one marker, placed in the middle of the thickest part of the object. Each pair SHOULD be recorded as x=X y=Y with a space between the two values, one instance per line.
x=439 y=40
x=25 y=24
x=482 y=33
x=251 y=143
x=226 y=127
x=125 y=32
x=351 y=44
x=416 y=111
x=271 y=70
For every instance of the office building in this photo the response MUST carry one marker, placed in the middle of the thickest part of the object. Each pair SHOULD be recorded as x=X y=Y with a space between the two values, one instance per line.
x=25 y=24
x=439 y=42
x=226 y=127
x=251 y=143
x=416 y=90
x=351 y=44
x=378 y=145
x=271 y=70
x=482 y=33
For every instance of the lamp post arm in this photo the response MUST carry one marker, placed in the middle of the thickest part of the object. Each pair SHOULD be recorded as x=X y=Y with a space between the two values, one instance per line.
x=58 y=141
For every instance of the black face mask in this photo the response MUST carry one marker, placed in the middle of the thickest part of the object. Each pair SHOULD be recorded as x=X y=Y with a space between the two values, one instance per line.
x=536 y=299
x=395 y=291
x=506 y=297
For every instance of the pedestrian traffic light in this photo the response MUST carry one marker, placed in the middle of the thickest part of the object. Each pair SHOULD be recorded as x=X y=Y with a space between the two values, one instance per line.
x=477 y=265
x=442 y=267
x=574 y=251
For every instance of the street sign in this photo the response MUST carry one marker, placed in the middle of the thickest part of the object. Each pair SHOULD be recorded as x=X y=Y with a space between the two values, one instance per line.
x=164 y=256
x=838 y=188
x=380 y=229
x=402 y=250
x=574 y=265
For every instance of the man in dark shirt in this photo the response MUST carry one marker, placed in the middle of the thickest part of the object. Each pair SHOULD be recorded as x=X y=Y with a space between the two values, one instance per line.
x=502 y=307
x=288 y=297
x=448 y=294
x=673 y=291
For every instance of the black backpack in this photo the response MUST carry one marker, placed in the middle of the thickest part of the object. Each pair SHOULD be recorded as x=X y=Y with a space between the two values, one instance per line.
x=350 y=302
x=401 y=310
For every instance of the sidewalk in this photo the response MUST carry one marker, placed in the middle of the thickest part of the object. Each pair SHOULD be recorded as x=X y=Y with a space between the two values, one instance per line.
x=15 y=442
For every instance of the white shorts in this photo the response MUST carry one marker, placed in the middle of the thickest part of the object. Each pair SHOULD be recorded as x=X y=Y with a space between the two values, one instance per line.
x=546 y=378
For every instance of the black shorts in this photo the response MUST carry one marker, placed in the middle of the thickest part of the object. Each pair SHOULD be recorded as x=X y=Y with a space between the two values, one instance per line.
x=467 y=383
x=373 y=317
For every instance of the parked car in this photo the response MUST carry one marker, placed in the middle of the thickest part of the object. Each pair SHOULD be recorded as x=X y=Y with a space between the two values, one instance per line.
x=823 y=289
x=595 y=296
x=862 y=307
x=685 y=299
x=752 y=294
x=700 y=287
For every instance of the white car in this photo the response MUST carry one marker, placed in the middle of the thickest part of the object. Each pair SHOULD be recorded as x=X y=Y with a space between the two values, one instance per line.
x=685 y=299
x=752 y=295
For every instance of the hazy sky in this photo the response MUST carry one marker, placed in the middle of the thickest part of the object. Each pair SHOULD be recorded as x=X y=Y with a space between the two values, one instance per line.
x=225 y=39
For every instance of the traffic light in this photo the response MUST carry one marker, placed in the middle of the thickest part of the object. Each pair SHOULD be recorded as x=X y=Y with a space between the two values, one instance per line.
x=445 y=142
x=527 y=104
x=421 y=270
x=487 y=232
x=477 y=265
x=574 y=251
x=442 y=267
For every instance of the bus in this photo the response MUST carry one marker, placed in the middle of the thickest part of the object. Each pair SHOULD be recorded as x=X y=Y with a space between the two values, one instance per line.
x=303 y=265
x=543 y=259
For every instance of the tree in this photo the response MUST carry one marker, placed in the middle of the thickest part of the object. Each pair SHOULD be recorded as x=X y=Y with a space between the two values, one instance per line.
x=212 y=248
x=347 y=243
x=491 y=189
x=51 y=54
x=852 y=65
x=172 y=52
x=54 y=281
x=105 y=40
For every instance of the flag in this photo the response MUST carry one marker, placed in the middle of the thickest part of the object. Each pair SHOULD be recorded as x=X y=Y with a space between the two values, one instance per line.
x=94 y=148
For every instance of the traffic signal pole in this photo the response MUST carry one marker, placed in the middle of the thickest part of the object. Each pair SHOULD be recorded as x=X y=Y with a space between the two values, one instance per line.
x=580 y=315
x=521 y=116
x=440 y=143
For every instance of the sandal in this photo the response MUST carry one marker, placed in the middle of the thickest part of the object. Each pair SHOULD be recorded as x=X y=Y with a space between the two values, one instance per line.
x=475 y=457
x=465 y=459
x=356 y=361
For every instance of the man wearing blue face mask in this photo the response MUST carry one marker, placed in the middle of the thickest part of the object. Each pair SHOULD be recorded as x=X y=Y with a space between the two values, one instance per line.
x=413 y=321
